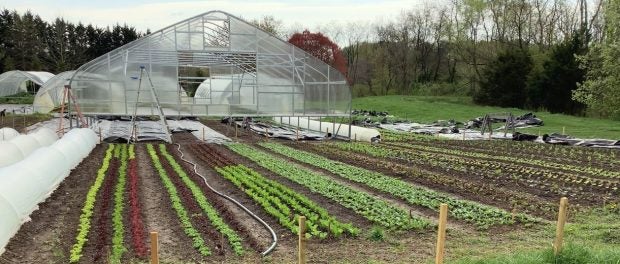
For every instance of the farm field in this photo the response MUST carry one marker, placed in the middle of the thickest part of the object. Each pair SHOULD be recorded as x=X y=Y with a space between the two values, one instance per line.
x=363 y=203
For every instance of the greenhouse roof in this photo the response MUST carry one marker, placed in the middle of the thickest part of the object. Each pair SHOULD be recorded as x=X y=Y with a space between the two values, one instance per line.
x=13 y=82
x=240 y=69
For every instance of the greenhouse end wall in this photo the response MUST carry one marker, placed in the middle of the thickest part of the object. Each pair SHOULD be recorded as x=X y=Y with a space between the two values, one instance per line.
x=242 y=71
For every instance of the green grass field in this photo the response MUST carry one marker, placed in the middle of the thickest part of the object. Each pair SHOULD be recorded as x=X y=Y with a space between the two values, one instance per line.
x=426 y=109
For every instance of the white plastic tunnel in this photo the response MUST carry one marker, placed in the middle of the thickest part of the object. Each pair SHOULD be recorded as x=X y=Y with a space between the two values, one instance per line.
x=27 y=183
x=7 y=133
x=342 y=130
x=20 y=146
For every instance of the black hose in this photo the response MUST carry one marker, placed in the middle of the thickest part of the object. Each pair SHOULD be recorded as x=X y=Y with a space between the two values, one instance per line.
x=273 y=233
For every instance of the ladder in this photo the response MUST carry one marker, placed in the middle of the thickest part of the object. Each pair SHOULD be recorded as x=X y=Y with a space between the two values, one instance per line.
x=160 y=111
x=67 y=93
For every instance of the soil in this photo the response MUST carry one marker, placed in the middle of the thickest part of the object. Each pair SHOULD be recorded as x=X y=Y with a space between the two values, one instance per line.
x=50 y=234
x=174 y=245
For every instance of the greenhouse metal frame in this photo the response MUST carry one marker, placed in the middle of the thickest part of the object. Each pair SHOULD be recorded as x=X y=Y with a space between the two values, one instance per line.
x=213 y=64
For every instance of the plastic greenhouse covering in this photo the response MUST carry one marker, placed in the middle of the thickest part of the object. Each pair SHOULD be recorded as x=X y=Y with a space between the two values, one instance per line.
x=50 y=94
x=13 y=82
x=211 y=64
x=29 y=182
x=20 y=146
x=7 y=133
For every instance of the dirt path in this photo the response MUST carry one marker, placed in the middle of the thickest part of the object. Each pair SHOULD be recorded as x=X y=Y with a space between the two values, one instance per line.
x=159 y=216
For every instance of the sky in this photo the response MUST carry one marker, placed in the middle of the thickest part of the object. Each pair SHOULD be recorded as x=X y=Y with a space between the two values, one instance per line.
x=157 y=14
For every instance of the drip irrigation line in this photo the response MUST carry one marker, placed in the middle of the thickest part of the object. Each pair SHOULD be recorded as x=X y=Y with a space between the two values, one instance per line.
x=273 y=233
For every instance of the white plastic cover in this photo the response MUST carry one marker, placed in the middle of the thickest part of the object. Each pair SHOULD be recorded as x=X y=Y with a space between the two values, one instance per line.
x=357 y=133
x=7 y=133
x=9 y=153
x=10 y=222
x=50 y=94
x=26 y=143
x=44 y=136
x=29 y=182
x=12 y=82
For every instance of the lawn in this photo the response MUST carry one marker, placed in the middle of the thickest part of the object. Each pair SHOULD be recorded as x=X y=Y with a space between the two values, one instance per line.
x=427 y=109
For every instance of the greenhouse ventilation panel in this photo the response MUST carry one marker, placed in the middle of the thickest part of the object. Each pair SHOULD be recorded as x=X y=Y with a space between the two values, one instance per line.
x=213 y=64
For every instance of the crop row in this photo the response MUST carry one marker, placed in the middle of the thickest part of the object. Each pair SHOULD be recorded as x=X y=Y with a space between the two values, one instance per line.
x=103 y=215
x=446 y=179
x=87 y=209
x=370 y=207
x=481 y=215
x=233 y=238
x=282 y=203
x=177 y=205
x=118 y=247
x=516 y=159
x=532 y=177
x=135 y=218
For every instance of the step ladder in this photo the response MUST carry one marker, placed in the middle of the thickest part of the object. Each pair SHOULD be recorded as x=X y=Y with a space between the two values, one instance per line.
x=160 y=111
x=67 y=95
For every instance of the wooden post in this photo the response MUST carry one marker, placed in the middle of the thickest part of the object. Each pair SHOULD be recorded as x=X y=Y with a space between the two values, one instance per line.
x=267 y=134
x=441 y=233
x=100 y=136
x=355 y=136
x=297 y=133
x=301 y=253
x=154 y=248
x=327 y=134
x=563 y=130
x=559 y=231
x=463 y=135
x=235 y=130
x=203 y=133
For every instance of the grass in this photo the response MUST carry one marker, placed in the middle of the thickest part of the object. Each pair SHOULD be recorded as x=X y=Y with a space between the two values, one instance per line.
x=20 y=98
x=426 y=109
x=590 y=237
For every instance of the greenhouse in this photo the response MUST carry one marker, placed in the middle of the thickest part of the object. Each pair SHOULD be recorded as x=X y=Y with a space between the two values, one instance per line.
x=14 y=82
x=50 y=94
x=213 y=64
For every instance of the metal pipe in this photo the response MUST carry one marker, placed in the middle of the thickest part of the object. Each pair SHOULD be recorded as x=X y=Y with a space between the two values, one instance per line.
x=273 y=233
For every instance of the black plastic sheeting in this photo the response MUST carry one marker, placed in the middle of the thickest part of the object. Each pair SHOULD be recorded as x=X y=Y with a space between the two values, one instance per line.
x=559 y=139
x=274 y=131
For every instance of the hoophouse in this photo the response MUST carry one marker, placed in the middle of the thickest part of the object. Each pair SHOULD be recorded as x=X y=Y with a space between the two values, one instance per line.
x=213 y=64
x=14 y=82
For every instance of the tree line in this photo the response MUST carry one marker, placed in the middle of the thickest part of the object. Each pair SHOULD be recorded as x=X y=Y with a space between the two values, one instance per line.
x=31 y=44
x=511 y=53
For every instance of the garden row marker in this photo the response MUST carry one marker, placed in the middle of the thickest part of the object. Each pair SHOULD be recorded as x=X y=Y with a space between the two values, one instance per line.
x=154 y=248
x=301 y=253
x=559 y=232
x=441 y=233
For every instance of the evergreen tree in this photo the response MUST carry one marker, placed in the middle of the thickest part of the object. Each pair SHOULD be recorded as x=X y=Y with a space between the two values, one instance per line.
x=552 y=88
x=504 y=80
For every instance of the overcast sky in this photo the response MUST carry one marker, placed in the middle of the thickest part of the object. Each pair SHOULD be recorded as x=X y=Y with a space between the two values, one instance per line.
x=156 y=14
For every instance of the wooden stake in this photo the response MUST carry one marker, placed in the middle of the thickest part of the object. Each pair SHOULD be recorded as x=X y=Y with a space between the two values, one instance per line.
x=559 y=231
x=297 y=132
x=267 y=134
x=441 y=234
x=100 y=136
x=154 y=248
x=463 y=135
x=563 y=130
x=301 y=253
x=355 y=136
x=203 y=133
x=327 y=134
x=235 y=130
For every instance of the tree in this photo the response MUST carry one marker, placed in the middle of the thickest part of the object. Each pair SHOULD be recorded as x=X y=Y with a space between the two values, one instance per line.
x=320 y=47
x=270 y=25
x=601 y=89
x=504 y=80
x=552 y=88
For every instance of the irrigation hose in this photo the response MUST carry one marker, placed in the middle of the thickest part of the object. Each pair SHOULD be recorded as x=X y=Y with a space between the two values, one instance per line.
x=273 y=233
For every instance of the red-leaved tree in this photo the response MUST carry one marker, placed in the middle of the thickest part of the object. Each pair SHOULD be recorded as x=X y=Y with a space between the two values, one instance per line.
x=321 y=47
